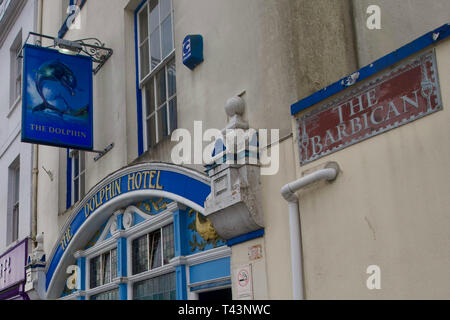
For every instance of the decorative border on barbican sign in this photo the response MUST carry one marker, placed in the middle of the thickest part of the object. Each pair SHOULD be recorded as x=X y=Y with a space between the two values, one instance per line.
x=397 y=97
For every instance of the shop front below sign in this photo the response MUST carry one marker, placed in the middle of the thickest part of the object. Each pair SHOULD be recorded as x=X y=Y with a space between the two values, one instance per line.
x=12 y=271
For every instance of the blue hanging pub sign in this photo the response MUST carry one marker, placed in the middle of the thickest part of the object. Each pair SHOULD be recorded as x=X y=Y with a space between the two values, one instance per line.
x=57 y=99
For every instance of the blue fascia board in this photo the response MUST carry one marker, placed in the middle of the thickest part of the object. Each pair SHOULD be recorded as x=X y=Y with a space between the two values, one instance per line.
x=245 y=237
x=375 y=67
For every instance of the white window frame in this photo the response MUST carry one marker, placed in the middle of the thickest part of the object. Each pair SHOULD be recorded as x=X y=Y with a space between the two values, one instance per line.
x=102 y=280
x=93 y=252
x=158 y=222
x=14 y=198
x=152 y=76
x=16 y=71
x=155 y=113
x=77 y=155
x=147 y=235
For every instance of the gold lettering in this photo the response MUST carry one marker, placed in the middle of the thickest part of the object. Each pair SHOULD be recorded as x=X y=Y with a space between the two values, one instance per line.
x=102 y=195
x=138 y=180
x=157 y=182
x=117 y=185
x=131 y=177
x=86 y=210
x=145 y=179
x=67 y=236
x=92 y=204
x=96 y=201
x=108 y=192
x=152 y=175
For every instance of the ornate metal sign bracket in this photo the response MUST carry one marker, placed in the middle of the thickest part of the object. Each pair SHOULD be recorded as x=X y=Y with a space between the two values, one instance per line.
x=91 y=47
x=103 y=153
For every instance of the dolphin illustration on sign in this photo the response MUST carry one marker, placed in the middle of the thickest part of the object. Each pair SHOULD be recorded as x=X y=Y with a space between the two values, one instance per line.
x=58 y=72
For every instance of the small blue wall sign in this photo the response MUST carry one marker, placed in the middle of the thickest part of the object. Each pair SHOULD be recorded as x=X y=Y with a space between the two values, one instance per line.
x=57 y=99
x=192 y=51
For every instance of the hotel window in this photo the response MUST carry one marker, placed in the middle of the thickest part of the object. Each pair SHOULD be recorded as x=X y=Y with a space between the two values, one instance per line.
x=158 y=288
x=153 y=250
x=78 y=175
x=157 y=71
x=103 y=269
x=14 y=178
x=16 y=70
x=150 y=252
x=108 y=295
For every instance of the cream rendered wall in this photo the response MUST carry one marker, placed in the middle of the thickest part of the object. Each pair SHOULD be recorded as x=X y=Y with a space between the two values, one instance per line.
x=275 y=51
x=401 y=22
x=389 y=207
x=272 y=276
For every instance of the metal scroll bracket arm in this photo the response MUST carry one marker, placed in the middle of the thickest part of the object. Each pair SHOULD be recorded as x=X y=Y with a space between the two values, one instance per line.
x=101 y=154
x=91 y=47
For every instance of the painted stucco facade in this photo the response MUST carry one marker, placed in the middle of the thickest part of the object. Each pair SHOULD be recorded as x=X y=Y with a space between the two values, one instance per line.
x=389 y=205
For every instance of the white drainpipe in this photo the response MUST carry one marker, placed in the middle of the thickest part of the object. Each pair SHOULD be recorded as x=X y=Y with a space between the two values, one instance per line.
x=288 y=192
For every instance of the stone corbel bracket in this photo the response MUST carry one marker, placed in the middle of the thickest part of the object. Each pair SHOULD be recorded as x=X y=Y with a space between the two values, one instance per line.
x=234 y=205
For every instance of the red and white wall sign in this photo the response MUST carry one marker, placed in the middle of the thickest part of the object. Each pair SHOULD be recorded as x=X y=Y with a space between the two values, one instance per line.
x=393 y=98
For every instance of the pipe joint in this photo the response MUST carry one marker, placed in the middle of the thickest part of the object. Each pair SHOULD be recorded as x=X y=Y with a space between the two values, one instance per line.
x=329 y=173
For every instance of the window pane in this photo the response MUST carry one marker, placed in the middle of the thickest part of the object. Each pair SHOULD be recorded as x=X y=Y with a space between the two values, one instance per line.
x=18 y=77
x=155 y=48
x=143 y=24
x=171 y=74
x=76 y=165
x=19 y=63
x=169 y=245
x=151 y=132
x=95 y=272
x=163 y=129
x=161 y=87
x=154 y=14
x=108 y=295
x=166 y=34
x=16 y=185
x=144 y=60
x=173 y=114
x=150 y=97
x=155 y=250
x=159 y=288
x=18 y=87
x=113 y=264
x=82 y=183
x=106 y=268
x=165 y=8
x=76 y=190
x=140 y=255
x=81 y=156
x=15 y=223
